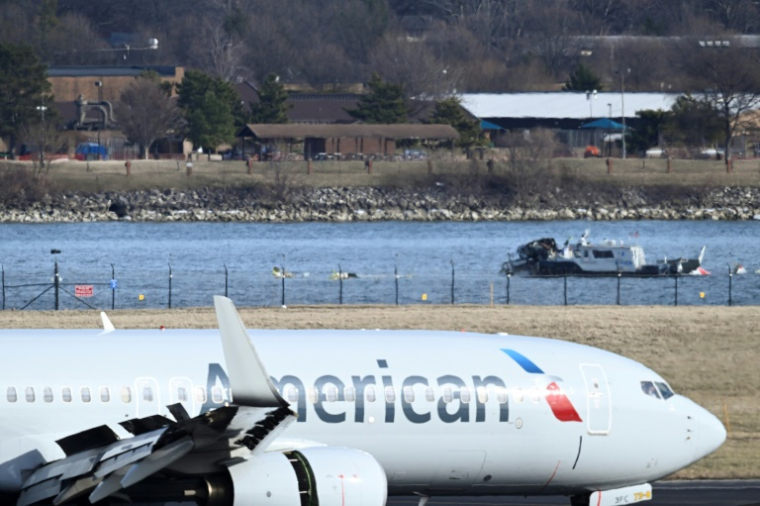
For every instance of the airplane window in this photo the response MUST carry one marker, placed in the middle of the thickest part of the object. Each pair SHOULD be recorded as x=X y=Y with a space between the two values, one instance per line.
x=370 y=391
x=85 y=393
x=517 y=393
x=648 y=388
x=126 y=395
x=311 y=395
x=47 y=394
x=66 y=394
x=105 y=394
x=408 y=394
x=200 y=394
x=448 y=395
x=29 y=394
x=535 y=395
x=430 y=394
x=665 y=390
x=11 y=394
x=331 y=393
x=390 y=394
x=501 y=395
x=464 y=395
x=349 y=393
x=291 y=393
x=482 y=394
x=217 y=394
x=147 y=394
x=182 y=394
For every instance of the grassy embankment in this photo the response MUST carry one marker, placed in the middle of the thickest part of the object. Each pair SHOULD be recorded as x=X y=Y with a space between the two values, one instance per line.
x=111 y=176
x=709 y=354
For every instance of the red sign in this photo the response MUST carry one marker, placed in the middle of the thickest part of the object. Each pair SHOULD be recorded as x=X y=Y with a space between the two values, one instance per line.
x=83 y=290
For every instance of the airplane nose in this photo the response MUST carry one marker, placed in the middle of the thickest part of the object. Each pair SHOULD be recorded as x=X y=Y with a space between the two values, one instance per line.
x=711 y=435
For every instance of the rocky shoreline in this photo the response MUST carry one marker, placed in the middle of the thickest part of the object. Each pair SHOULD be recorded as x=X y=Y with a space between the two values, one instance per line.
x=384 y=204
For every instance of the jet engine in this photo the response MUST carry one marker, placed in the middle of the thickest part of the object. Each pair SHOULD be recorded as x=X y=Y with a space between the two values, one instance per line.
x=323 y=475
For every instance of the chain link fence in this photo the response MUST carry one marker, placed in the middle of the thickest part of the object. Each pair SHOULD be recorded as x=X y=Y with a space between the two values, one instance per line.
x=175 y=287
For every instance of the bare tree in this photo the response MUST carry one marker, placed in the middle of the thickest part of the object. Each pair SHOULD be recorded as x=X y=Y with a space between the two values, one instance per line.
x=146 y=113
x=725 y=77
x=411 y=64
x=555 y=37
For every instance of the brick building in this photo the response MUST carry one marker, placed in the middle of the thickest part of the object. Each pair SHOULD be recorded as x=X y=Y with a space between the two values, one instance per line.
x=70 y=82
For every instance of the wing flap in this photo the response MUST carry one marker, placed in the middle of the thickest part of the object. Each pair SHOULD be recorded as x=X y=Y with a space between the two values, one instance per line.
x=105 y=471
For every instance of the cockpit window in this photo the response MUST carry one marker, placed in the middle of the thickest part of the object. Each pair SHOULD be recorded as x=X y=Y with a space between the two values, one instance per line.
x=665 y=390
x=648 y=388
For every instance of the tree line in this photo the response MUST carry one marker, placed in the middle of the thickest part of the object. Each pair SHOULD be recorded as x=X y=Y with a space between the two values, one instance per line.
x=428 y=46
x=423 y=48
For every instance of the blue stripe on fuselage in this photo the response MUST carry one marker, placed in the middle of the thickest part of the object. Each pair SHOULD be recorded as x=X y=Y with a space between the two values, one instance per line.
x=523 y=362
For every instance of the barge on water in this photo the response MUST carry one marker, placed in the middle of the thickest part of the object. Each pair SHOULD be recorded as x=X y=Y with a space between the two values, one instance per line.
x=542 y=257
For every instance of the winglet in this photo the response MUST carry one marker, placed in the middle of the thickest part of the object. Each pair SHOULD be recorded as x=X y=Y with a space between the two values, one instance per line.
x=249 y=380
x=107 y=325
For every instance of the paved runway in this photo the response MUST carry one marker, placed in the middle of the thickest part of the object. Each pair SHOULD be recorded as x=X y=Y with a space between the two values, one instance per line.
x=669 y=493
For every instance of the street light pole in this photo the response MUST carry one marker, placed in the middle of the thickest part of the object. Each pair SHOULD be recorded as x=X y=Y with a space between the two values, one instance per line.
x=42 y=139
x=622 y=105
x=609 y=133
x=99 y=85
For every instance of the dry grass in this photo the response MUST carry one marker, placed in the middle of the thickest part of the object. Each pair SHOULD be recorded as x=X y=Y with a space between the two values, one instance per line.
x=111 y=176
x=709 y=354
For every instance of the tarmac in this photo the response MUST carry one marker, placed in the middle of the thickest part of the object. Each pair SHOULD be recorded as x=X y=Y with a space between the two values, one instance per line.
x=667 y=493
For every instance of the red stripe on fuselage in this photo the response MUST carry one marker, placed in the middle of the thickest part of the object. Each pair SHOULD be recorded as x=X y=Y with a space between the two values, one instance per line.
x=560 y=405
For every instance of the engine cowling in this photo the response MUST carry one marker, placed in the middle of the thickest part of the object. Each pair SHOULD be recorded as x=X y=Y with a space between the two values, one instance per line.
x=332 y=476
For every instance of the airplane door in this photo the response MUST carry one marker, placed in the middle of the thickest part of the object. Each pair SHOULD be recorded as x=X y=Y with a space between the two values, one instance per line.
x=599 y=412
x=181 y=391
x=147 y=397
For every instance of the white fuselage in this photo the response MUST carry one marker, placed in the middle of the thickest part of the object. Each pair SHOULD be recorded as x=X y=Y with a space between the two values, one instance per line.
x=443 y=413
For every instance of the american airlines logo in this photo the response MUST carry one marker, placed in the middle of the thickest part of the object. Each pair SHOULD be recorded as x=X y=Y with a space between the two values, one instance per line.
x=453 y=398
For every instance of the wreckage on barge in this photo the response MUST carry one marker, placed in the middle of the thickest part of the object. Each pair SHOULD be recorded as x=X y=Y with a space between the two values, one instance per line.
x=542 y=257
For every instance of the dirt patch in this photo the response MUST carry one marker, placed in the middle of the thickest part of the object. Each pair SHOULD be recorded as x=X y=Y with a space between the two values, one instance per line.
x=709 y=354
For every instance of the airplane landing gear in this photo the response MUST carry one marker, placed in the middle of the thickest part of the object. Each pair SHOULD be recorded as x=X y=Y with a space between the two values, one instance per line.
x=580 y=500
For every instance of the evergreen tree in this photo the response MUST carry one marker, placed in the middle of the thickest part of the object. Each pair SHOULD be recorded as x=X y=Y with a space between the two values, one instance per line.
x=211 y=107
x=271 y=107
x=649 y=129
x=23 y=89
x=450 y=112
x=693 y=122
x=384 y=104
x=210 y=123
x=583 y=79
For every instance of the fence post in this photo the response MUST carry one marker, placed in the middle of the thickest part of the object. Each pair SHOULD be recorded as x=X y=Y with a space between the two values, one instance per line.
x=730 y=286
x=283 y=285
x=3 y=268
x=170 y=286
x=340 y=283
x=226 y=281
x=676 y=276
x=618 y=286
x=452 y=281
x=565 y=283
x=113 y=288
x=395 y=275
x=57 y=284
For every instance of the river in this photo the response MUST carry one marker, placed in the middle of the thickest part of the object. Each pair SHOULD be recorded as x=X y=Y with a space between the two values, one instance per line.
x=424 y=254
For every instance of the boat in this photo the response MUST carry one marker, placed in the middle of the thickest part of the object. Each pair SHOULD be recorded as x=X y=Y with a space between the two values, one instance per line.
x=542 y=257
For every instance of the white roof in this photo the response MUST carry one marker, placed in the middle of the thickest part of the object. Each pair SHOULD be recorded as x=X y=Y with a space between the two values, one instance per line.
x=563 y=104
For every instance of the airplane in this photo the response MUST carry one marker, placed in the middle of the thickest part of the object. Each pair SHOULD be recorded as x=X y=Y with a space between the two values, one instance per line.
x=331 y=417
